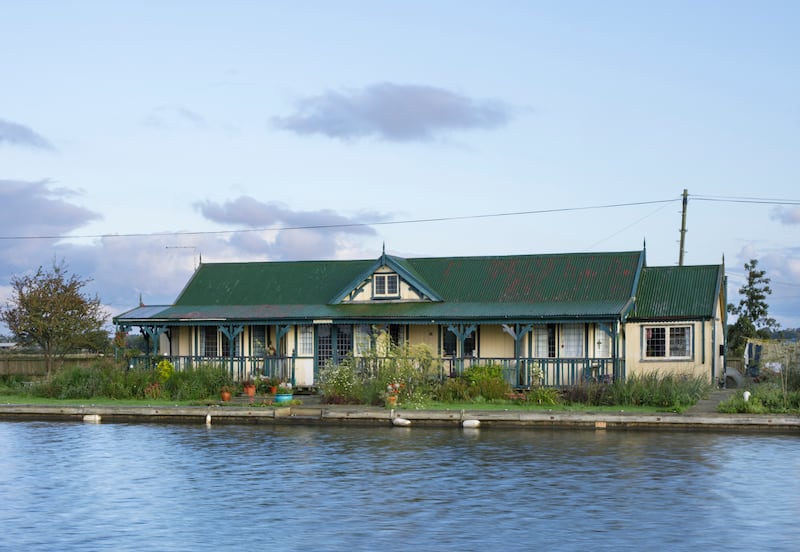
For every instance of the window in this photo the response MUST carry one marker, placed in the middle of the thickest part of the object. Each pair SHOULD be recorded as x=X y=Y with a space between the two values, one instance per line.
x=362 y=340
x=305 y=340
x=545 y=341
x=209 y=346
x=386 y=285
x=668 y=342
x=259 y=340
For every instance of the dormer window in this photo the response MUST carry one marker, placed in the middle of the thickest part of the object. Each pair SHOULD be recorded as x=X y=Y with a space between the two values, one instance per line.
x=386 y=285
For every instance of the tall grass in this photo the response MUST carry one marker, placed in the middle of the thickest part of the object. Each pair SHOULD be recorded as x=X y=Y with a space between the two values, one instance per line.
x=674 y=391
x=107 y=379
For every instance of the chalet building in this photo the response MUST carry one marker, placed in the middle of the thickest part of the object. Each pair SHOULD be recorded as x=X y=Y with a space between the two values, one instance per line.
x=554 y=319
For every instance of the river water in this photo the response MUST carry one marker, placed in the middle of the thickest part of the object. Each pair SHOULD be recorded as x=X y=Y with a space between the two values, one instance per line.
x=67 y=486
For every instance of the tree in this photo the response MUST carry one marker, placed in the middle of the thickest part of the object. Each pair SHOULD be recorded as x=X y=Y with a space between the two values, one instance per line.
x=752 y=310
x=50 y=309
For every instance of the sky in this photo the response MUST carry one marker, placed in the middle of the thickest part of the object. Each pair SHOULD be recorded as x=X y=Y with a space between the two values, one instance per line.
x=138 y=139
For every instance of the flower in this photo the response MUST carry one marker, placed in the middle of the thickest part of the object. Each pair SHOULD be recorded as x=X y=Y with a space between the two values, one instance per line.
x=284 y=389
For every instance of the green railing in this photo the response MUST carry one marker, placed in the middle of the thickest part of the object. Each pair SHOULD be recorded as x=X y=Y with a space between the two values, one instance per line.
x=521 y=374
x=240 y=367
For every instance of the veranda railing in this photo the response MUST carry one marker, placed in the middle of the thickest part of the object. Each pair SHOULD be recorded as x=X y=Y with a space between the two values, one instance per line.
x=521 y=374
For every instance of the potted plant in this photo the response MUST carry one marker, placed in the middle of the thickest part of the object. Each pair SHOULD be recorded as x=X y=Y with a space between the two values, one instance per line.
x=249 y=387
x=284 y=393
x=225 y=393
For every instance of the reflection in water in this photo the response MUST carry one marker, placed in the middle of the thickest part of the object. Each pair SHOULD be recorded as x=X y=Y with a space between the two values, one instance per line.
x=153 y=487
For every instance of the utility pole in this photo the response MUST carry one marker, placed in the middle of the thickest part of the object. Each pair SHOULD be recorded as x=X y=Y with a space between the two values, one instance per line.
x=683 y=226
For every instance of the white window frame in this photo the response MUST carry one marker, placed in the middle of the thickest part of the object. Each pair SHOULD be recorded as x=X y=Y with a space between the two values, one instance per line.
x=672 y=339
x=381 y=285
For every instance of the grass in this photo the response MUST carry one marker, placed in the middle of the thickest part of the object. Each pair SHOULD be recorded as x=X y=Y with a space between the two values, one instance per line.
x=532 y=407
x=95 y=401
x=491 y=406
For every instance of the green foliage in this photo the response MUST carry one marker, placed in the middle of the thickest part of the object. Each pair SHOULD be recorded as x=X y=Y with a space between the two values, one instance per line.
x=544 y=396
x=12 y=385
x=49 y=309
x=752 y=308
x=408 y=372
x=340 y=384
x=486 y=380
x=453 y=390
x=105 y=379
x=654 y=389
x=768 y=397
x=165 y=369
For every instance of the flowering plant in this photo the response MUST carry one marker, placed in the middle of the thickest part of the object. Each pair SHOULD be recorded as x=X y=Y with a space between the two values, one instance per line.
x=393 y=392
x=284 y=389
x=536 y=372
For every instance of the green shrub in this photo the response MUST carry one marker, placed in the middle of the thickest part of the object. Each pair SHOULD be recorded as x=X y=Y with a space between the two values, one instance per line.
x=111 y=381
x=340 y=384
x=486 y=380
x=544 y=396
x=453 y=390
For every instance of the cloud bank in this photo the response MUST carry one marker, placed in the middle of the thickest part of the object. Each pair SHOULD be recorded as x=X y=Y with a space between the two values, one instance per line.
x=283 y=234
x=392 y=112
x=16 y=134
x=35 y=208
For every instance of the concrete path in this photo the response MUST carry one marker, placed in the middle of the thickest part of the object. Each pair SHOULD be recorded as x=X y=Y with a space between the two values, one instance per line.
x=709 y=405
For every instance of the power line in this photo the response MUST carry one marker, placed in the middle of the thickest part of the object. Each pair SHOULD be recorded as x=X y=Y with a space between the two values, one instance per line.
x=753 y=200
x=342 y=225
x=724 y=199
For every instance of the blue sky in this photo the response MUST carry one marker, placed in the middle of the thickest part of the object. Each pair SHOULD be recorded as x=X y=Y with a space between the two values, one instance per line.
x=137 y=136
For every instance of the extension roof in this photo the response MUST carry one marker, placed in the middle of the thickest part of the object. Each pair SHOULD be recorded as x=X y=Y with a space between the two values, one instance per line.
x=543 y=288
x=679 y=293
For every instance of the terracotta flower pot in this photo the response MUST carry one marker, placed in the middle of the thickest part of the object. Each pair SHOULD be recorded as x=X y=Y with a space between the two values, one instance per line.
x=225 y=396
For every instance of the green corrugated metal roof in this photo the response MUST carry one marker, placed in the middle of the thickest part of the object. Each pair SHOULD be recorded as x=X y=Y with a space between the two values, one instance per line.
x=596 y=285
x=564 y=278
x=677 y=292
x=584 y=278
x=276 y=283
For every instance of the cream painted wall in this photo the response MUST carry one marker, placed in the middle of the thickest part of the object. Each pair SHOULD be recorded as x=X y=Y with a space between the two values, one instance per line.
x=705 y=349
x=495 y=343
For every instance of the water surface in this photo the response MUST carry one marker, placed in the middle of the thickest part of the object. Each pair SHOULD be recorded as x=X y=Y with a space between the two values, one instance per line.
x=68 y=486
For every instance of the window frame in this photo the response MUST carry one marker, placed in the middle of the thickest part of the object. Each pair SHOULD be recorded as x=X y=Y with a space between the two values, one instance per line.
x=671 y=339
x=385 y=278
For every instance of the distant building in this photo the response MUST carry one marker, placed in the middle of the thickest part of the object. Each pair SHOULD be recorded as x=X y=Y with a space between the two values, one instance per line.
x=564 y=317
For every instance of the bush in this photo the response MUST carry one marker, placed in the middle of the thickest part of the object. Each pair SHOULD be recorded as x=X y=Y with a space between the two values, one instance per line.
x=104 y=379
x=486 y=380
x=653 y=389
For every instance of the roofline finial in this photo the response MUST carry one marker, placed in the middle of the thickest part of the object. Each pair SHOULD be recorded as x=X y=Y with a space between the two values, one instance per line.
x=383 y=254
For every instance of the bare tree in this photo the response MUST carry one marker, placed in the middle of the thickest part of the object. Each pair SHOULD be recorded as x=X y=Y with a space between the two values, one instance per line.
x=50 y=309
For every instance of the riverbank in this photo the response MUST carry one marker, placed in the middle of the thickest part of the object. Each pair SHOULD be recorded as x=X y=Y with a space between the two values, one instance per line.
x=695 y=419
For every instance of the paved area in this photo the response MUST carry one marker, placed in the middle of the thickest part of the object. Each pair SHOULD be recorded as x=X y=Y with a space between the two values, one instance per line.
x=709 y=405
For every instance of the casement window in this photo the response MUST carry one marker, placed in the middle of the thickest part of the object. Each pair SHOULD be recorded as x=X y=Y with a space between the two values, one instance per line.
x=665 y=342
x=386 y=285
x=259 y=340
x=305 y=340
x=209 y=341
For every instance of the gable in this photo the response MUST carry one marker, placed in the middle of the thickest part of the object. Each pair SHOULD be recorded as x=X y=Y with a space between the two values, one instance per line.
x=678 y=292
